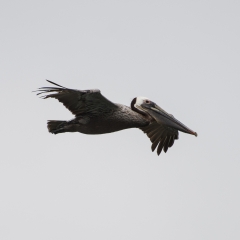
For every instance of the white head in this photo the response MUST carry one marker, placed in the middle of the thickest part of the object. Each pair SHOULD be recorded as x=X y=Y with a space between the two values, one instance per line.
x=137 y=102
x=141 y=100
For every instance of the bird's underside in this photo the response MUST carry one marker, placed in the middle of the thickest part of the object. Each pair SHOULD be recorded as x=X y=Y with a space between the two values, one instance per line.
x=94 y=114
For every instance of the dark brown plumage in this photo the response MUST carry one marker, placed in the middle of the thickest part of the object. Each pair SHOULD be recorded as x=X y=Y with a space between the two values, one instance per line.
x=95 y=114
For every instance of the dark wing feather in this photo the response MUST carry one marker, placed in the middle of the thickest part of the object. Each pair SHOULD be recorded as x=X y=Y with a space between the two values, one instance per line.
x=78 y=101
x=161 y=136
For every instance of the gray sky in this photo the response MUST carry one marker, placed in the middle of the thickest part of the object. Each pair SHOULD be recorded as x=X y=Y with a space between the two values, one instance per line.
x=183 y=55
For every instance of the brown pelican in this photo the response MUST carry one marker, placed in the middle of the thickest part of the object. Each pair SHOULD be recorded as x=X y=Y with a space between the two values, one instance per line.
x=95 y=114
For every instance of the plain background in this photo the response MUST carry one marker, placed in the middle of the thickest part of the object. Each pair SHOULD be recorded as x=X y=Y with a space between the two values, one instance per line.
x=183 y=55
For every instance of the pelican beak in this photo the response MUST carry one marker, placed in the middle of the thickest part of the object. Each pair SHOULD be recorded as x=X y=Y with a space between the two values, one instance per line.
x=165 y=118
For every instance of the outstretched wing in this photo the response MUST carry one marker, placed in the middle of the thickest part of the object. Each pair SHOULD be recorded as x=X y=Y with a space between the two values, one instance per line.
x=161 y=136
x=78 y=101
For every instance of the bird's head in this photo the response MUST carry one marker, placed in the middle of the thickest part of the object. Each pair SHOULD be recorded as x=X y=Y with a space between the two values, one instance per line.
x=145 y=106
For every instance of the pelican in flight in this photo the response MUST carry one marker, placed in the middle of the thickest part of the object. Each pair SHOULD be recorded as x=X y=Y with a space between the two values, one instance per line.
x=95 y=114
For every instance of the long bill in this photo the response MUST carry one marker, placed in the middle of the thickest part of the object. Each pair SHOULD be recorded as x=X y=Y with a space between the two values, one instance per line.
x=164 y=118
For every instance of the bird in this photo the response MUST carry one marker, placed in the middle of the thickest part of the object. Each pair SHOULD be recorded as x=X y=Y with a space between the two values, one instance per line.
x=95 y=114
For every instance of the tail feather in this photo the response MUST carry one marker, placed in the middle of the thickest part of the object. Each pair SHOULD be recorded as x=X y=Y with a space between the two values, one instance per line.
x=55 y=126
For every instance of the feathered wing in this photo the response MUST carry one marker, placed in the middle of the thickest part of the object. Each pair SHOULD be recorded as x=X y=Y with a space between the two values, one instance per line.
x=161 y=136
x=78 y=101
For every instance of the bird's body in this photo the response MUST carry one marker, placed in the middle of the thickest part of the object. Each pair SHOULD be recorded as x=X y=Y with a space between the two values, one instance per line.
x=94 y=114
x=120 y=118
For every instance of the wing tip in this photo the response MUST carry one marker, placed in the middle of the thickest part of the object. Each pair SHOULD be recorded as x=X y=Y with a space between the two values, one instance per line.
x=54 y=83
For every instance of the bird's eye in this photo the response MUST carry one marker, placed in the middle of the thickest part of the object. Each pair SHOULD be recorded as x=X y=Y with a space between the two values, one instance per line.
x=147 y=101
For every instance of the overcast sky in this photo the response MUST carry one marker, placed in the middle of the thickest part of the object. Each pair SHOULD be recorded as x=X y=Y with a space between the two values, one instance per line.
x=183 y=55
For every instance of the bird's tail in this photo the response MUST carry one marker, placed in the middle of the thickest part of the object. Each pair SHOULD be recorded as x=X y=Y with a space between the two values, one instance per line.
x=55 y=126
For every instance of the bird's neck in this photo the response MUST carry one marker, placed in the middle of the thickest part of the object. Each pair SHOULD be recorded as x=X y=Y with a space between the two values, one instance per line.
x=128 y=118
